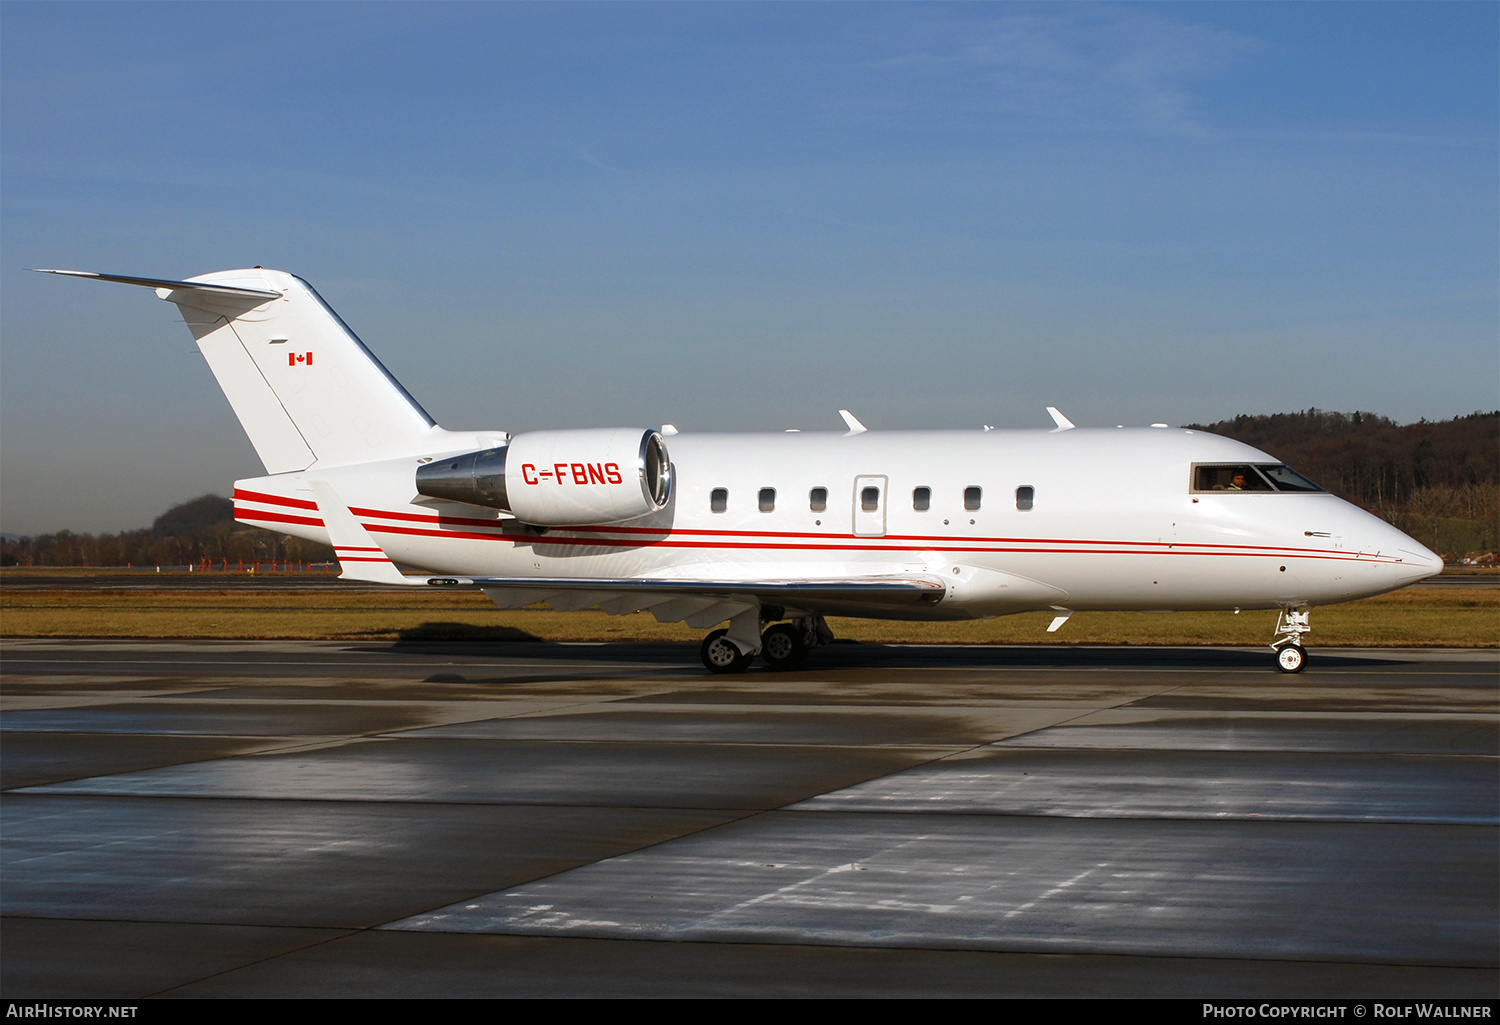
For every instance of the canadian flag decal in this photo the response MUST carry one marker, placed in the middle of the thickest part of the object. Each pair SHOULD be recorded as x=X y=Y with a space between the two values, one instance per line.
x=293 y=358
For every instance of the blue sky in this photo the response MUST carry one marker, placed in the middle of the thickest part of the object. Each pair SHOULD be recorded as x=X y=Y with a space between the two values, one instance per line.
x=744 y=216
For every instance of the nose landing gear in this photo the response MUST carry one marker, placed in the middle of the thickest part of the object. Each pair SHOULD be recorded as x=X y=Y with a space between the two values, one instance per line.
x=1291 y=657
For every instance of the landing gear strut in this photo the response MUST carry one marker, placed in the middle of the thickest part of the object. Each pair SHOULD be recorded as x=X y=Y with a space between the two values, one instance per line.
x=1291 y=657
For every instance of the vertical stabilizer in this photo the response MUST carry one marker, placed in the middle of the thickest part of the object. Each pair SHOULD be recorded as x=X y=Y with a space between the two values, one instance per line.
x=304 y=387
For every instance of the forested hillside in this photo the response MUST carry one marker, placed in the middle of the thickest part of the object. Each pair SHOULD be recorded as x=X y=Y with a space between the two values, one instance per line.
x=1440 y=482
x=189 y=533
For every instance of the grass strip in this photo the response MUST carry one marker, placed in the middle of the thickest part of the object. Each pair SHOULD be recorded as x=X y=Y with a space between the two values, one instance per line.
x=1414 y=617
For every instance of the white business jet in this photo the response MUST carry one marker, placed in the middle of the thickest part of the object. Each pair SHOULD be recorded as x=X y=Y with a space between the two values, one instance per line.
x=767 y=532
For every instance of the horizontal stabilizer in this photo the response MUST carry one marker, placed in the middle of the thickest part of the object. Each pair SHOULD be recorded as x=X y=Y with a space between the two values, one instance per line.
x=195 y=286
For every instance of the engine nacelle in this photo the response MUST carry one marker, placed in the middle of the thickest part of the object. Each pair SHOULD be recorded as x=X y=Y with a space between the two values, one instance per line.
x=560 y=478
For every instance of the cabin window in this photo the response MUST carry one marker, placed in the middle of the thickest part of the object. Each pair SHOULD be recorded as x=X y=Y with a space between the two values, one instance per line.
x=1025 y=494
x=869 y=499
x=767 y=500
x=971 y=497
x=718 y=499
x=817 y=499
x=921 y=499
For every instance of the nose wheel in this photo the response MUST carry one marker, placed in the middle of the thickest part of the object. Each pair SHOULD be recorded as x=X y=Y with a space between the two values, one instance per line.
x=1291 y=657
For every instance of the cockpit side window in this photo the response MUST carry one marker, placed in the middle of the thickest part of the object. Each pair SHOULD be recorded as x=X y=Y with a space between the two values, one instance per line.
x=1229 y=477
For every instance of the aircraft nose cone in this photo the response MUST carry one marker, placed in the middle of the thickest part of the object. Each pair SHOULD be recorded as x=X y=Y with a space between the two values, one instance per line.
x=1417 y=562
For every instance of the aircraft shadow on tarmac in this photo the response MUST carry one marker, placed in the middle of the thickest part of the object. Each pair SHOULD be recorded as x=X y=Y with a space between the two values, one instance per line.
x=465 y=634
x=858 y=655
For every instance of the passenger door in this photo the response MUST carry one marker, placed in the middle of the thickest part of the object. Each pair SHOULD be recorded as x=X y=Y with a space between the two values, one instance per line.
x=869 y=506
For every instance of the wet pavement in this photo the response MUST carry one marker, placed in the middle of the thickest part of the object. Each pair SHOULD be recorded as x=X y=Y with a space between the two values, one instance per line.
x=327 y=818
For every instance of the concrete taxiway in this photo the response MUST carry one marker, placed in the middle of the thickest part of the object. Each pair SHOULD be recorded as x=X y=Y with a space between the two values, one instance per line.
x=327 y=818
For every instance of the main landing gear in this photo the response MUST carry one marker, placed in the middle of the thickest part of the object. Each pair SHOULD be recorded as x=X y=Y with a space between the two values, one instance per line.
x=720 y=655
x=783 y=646
x=1291 y=657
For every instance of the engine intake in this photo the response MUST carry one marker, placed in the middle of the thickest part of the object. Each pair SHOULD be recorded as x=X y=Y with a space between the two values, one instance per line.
x=558 y=478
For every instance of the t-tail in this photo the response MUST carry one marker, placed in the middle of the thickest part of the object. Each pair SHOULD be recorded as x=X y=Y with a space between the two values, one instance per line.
x=303 y=385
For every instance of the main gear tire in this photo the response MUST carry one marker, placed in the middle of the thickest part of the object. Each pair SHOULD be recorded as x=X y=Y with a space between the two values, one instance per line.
x=720 y=655
x=1291 y=658
x=783 y=646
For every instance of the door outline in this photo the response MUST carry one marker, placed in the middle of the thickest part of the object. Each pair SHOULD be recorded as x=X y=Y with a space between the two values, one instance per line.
x=870 y=524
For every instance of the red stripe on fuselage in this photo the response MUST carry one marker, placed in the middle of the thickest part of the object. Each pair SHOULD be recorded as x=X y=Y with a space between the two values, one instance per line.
x=541 y=541
x=271 y=517
x=465 y=521
x=667 y=537
x=265 y=499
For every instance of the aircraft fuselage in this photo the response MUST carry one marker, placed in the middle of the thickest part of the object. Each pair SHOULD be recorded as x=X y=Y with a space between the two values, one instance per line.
x=1111 y=521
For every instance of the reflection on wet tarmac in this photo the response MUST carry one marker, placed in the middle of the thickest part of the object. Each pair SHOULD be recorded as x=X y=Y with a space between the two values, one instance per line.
x=230 y=819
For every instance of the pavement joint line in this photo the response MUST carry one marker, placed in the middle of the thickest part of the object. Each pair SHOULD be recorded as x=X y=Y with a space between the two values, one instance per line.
x=1083 y=714
x=258 y=960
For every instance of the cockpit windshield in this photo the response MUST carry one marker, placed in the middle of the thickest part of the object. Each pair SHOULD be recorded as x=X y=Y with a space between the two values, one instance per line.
x=1247 y=477
x=1287 y=479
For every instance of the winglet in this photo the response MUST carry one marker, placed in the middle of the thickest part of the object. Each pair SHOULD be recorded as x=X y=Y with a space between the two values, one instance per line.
x=359 y=556
x=1063 y=423
x=855 y=427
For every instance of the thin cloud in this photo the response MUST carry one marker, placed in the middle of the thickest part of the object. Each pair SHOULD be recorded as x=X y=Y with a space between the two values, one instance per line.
x=1067 y=66
x=593 y=161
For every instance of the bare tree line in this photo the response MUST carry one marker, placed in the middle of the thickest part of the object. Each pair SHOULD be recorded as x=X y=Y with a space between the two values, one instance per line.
x=1439 y=481
x=189 y=534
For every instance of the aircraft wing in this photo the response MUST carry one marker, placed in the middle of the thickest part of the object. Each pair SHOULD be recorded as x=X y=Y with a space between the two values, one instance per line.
x=697 y=602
